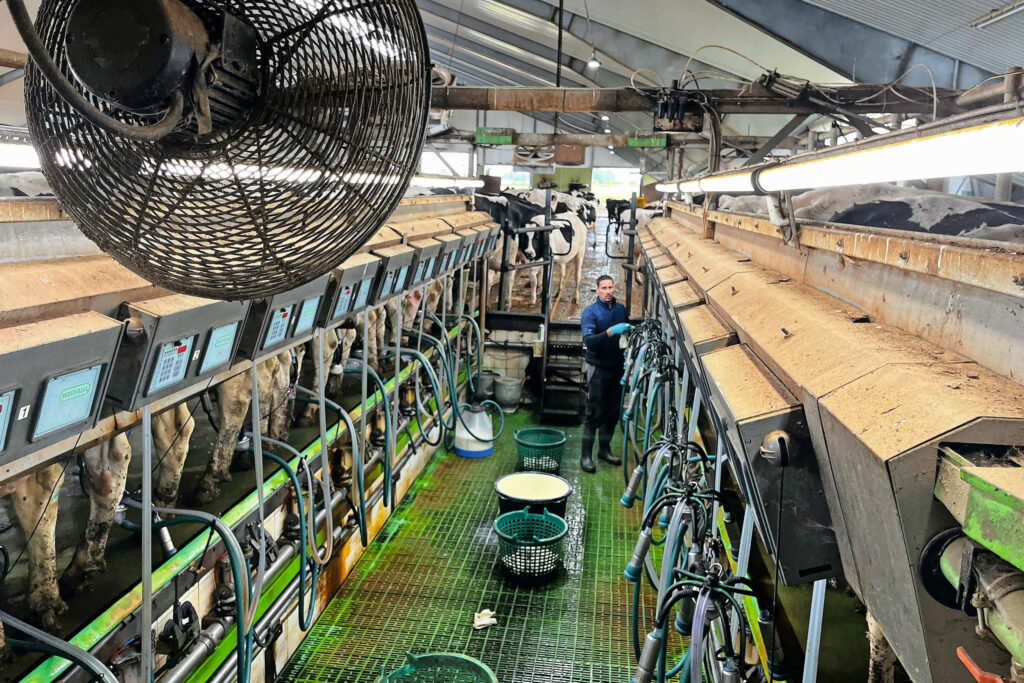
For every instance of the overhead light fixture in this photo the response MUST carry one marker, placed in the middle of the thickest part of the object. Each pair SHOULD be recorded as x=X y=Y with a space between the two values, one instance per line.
x=604 y=117
x=607 y=131
x=998 y=14
x=690 y=187
x=666 y=187
x=612 y=152
x=611 y=146
x=594 y=62
x=977 y=150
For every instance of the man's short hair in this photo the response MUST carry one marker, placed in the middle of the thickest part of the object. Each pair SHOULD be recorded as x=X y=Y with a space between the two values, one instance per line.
x=603 y=278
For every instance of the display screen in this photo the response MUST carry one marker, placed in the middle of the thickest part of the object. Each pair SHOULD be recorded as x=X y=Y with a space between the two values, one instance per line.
x=400 y=280
x=345 y=295
x=278 y=328
x=171 y=363
x=307 y=315
x=6 y=408
x=218 y=349
x=421 y=270
x=364 y=292
x=67 y=399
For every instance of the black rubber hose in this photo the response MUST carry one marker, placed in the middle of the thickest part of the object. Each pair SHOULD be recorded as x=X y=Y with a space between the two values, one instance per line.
x=68 y=92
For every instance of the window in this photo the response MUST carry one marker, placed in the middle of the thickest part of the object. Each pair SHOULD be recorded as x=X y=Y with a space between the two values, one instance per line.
x=432 y=164
x=615 y=183
x=510 y=178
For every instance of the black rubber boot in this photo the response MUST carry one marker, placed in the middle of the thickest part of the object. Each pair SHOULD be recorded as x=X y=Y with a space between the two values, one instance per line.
x=604 y=451
x=586 y=457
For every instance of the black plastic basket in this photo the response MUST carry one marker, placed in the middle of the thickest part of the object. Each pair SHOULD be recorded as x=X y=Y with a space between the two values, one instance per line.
x=540 y=448
x=530 y=546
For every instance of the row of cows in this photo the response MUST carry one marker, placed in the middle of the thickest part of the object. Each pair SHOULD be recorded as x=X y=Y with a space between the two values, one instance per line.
x=885 y=205
x=574 y=216
x=33 y=498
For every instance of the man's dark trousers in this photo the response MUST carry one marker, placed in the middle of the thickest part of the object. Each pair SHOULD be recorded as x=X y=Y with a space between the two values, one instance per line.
x=604 y=397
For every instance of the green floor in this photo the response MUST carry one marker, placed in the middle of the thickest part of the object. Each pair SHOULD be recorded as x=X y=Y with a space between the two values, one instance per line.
x=436 y=563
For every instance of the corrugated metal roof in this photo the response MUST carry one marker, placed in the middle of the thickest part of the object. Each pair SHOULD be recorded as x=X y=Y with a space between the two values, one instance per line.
x=944 y=26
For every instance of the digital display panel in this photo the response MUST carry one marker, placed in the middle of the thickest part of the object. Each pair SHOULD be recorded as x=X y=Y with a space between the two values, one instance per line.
x=171 y=363
x=364 y=292
x=67 y=399
x=6 y=408
x=218 y=349
x=400 y=280
x=307 y=315
x=345 y=295
x=278 y=328
x=389 y=283
x=421 y=270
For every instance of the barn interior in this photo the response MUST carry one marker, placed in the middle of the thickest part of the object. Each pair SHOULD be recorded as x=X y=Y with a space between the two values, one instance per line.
x=306 y=372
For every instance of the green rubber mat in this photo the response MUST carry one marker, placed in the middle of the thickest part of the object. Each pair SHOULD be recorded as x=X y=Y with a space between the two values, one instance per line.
x=436 y=563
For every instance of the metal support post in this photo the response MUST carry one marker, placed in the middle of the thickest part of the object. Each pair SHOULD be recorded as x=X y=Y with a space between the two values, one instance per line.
x=146 y=629
x=365 y=377
x=631 y=264
x=691 y=430
x=814 y=632
x=391 y=449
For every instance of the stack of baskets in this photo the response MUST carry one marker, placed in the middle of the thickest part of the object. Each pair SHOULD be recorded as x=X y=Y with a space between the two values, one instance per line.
x=530 y=539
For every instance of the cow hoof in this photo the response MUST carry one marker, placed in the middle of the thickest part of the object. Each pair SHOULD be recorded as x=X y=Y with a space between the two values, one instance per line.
x=206 y=495
x=6 y=654
x=46 y=612
x=75 y=580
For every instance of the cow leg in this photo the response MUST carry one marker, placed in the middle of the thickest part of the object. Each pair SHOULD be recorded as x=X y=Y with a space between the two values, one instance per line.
x=106 y=469
x=533 y=287
x=561 y=287
x=882 y=658
x=348 y=337
x=233 y=398
x=279 y=402
x=5 y=652
x=319 y=361
x=172 y=430
x=579 y=276
x=35 y=507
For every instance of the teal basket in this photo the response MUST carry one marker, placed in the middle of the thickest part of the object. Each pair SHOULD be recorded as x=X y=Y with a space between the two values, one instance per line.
x=529 y=545
x=439 y=667
x=540 y=449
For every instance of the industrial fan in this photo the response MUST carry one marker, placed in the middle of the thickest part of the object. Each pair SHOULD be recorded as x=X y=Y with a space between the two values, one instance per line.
x=231 y=149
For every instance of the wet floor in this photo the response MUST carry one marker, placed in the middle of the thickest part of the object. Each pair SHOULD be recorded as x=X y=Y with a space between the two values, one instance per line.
x=601 y=258
x=437 y=562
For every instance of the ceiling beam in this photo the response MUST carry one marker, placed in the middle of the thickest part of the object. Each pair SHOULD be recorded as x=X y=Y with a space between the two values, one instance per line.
x=726 y=101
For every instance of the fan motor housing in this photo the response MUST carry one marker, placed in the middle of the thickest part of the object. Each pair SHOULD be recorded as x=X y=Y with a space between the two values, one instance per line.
x=134 y=53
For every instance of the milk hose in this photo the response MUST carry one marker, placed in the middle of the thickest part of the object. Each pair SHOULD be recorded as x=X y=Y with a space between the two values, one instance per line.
x=305 y=613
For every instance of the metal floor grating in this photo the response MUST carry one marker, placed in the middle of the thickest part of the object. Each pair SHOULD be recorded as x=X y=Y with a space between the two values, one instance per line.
x=436 y=563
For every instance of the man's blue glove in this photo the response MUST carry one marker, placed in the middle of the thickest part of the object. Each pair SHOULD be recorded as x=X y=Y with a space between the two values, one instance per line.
x=619 y=328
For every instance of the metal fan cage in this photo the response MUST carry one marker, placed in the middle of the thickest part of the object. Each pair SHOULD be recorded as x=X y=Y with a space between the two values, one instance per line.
x=283 y=196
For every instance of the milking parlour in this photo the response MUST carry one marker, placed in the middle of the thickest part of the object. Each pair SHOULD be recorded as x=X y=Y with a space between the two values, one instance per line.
x=518 y=341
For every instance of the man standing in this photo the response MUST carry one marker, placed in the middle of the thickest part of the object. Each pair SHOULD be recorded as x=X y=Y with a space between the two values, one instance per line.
x=602 y=322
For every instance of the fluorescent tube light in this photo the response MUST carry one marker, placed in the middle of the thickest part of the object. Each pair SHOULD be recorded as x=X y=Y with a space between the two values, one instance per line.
x=690 y=187
x=445 y=181
x=733 y=182
x=978 y=150
x=666 y=187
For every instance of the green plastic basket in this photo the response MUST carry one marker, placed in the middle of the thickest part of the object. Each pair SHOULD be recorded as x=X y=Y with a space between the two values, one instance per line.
x=530 y=546
x=439 y=667
x=540 y=448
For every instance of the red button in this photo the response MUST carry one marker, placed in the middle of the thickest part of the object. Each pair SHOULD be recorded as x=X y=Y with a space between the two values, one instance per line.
x=182 y=349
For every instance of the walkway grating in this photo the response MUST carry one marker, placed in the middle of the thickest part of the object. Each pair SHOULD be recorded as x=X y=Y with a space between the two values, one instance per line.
x=436 y=563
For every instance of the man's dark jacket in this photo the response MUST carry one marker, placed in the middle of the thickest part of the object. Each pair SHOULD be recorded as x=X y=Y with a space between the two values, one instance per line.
x=603 y=351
